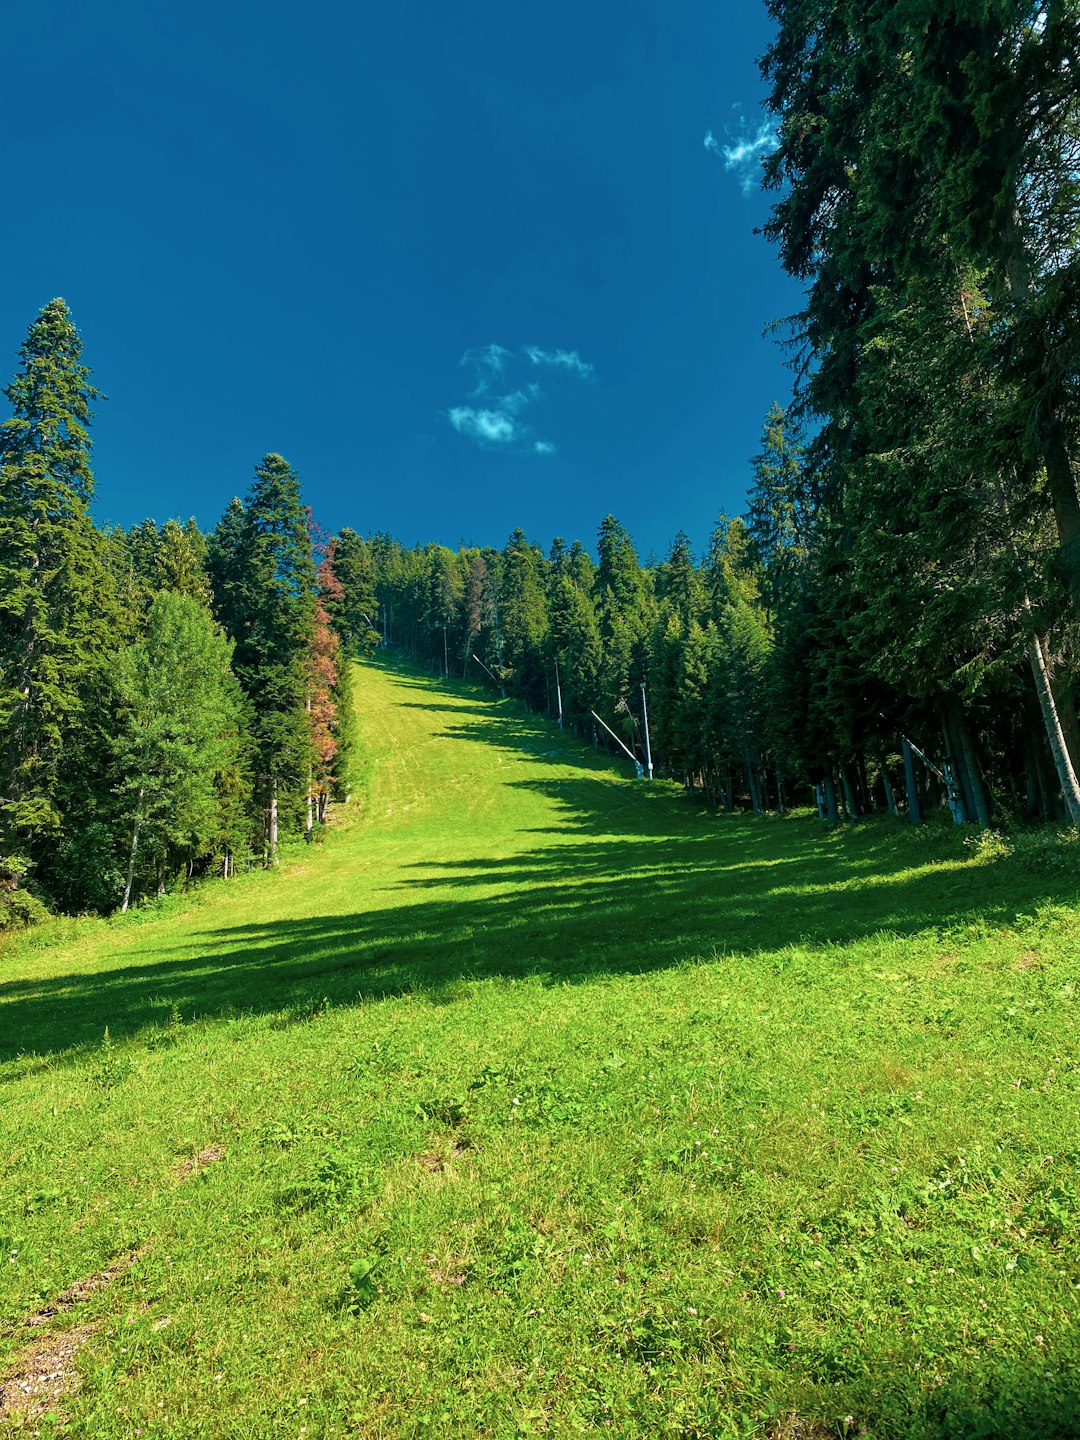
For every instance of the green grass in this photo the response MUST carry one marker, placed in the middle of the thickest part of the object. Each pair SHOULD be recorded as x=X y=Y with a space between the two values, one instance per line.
x=551 y=1105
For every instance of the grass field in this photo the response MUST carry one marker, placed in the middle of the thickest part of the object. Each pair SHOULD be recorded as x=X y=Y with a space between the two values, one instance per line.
x=539 y=1102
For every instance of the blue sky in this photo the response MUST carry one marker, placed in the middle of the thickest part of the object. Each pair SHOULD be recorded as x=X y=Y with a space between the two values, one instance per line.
x=467 y=266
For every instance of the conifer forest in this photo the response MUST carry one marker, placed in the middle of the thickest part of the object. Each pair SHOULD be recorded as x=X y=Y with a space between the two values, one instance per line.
x=541 y=988
x=891 y=625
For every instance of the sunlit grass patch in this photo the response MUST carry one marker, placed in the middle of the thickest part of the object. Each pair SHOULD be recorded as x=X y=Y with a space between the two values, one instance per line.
x=540 y=1102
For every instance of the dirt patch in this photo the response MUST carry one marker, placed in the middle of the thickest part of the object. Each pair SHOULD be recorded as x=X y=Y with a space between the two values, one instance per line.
x=436 y=1160
x=43 y=1374
x=447 y=1272
x=1030 y=961
x=83 y=1289
x=794 y=1427
x=209 y=1155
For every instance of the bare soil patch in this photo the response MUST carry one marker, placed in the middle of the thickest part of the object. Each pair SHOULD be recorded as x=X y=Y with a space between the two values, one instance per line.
x=209 y=1155
x=43 y=1373
x=436 y=1160
x=83 y=1289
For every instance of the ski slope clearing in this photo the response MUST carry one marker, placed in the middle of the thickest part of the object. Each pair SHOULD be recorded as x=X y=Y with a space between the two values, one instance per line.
x=539 y=1102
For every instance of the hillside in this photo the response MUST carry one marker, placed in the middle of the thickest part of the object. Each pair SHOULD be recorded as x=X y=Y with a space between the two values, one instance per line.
x=539 y=1101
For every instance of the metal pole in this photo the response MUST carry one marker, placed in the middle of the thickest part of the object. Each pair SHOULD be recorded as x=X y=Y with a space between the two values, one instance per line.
x=488 y=672
x=648 y=747
x=618 y=742
x=445 y=655
x=558 y=690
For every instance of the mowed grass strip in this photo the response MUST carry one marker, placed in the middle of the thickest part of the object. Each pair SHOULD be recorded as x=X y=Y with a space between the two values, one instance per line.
x=538 y=1102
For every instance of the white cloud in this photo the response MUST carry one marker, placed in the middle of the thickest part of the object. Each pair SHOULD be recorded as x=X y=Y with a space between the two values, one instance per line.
x=504 y=394
x=489 y=427
x=745 y=154
x=561 y=360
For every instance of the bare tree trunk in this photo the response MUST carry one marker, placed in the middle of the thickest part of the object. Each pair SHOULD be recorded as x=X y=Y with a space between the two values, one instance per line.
x=134 y=851
x=890 y=798
x=849 y=795
x=272 y=822
x=966 y=763
x=751 y=780
x=1054 y=733
x=831 y=812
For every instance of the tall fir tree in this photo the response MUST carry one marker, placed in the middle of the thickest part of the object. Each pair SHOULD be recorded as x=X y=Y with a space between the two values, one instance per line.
x=261 y=556
x=56 y=605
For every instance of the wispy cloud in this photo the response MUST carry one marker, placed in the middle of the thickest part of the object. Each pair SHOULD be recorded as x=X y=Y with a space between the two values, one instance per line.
x=568 y=360
x=496 y=422
x=488 y=363
x=744 y=154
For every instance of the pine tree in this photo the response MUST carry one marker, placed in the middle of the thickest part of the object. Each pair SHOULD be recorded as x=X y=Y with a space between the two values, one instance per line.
x=524 y=619
x=264 y=588
x=56 y=590
x=324 y=666
x=358 y=610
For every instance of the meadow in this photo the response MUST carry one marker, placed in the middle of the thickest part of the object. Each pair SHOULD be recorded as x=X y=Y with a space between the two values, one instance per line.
x=539 y=1101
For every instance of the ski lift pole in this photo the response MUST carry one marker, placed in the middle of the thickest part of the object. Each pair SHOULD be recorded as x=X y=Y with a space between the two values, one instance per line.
x=486 y=671
x=630 y=755
x=648 y=747
x=948 y=779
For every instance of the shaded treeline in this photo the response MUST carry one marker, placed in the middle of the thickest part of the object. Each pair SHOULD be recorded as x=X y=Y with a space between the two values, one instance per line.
x=171 y=703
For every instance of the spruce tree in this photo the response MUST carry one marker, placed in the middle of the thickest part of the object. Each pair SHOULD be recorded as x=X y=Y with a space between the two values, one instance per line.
x=357 y=613
x=56 y=607
x=264 y=588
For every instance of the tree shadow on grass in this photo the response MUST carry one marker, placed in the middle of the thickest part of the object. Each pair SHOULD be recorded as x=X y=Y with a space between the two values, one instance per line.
x=979 y=1401
x=580 y=904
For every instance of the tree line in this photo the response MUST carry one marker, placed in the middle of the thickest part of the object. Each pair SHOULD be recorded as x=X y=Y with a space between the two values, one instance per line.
x=895 y=620
x=172 y=703
x=892 y=624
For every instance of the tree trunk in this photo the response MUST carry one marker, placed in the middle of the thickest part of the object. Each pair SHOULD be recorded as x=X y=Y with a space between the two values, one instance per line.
x=751 y=780
x=849 y=795
x=965 y=763
x=134 y=851
x=272 y=823
x=971 y=765
x=1052 y=721
x=886 y=784
x=913 y=810
x=831 y=812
